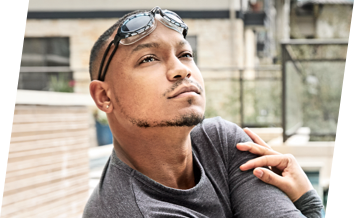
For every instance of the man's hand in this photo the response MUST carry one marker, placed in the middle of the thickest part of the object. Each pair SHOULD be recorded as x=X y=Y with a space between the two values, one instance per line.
x=285 y=173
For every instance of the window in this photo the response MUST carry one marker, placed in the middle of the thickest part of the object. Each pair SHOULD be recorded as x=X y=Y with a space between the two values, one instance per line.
x=261 y=40
x=45 y=64
x=193 y=42
x=313 y=178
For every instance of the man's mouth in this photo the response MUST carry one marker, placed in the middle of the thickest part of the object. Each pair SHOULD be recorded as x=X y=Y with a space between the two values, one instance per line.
x=185 y=91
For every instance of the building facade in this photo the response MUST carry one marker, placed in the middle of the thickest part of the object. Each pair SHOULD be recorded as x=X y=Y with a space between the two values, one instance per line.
x=237 y=47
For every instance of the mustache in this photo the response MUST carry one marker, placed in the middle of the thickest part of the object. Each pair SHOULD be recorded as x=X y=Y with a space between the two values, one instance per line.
x=183 y=81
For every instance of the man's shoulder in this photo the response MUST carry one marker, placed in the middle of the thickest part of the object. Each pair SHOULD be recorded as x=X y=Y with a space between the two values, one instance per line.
x=212 y=124
x=214 y=144
x=114 y=186
x=93 y=206
x=217 y=128
x=217 y=137
x=101 y=205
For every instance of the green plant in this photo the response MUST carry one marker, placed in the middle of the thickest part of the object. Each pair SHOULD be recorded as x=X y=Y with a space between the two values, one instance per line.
x=101 y=117
x=60 y=84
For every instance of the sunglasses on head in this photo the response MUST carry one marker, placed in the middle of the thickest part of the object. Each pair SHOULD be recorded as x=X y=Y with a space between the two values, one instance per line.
x=138 y=26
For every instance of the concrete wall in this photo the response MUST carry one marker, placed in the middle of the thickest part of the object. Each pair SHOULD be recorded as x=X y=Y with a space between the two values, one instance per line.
x=333 y=21
x=328 y=21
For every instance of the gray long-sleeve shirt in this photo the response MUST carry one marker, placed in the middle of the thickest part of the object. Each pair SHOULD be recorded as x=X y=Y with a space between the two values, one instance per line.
x=222 y=190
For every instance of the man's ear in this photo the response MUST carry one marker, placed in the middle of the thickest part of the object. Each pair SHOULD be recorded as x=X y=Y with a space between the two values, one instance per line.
x=99 y=93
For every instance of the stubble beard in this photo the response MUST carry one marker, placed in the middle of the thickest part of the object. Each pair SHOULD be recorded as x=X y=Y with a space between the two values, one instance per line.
x=184 y=120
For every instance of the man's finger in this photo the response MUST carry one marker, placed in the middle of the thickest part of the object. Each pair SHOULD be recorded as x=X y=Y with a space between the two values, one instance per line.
x=271 y=178
x=255 y=137
x=281 y=161
x=256 y=149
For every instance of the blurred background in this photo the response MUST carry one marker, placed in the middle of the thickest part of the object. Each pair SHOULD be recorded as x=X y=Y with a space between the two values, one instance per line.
x=274 y=66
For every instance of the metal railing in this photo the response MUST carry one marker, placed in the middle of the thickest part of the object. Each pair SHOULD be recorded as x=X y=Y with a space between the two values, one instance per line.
x=250 y=97
x=45 y=78
x=312 y=76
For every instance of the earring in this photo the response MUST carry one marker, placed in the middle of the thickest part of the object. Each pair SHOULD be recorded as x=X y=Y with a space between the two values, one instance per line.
x=107 y=106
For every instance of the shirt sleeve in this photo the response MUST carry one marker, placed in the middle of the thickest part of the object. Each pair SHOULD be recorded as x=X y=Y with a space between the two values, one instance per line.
x=310 y=204
x=249 y=196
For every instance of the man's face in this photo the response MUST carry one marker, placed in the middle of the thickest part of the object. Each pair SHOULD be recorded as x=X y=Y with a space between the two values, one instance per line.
x=155 y=82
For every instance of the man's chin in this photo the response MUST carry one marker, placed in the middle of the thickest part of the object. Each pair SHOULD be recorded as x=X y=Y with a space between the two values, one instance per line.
x=186 y=120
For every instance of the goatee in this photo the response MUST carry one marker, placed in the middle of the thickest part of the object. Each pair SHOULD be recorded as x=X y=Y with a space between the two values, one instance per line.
x=187 y=120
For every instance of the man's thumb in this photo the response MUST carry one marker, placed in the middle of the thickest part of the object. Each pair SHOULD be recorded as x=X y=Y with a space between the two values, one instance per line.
x=269 y=177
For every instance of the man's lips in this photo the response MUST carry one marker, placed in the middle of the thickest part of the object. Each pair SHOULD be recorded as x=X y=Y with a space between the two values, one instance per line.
x=188 y=89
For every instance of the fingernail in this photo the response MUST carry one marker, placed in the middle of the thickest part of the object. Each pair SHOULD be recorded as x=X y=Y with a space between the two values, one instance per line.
x=258 y=173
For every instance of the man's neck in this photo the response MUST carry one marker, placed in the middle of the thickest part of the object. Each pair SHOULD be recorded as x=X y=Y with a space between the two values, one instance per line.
x=163 y=154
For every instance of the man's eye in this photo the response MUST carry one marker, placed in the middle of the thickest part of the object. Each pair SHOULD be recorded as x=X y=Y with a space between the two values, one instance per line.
x=148 y=59
x=186 y=55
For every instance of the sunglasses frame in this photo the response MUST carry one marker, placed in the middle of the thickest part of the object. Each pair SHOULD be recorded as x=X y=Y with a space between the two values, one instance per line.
x=125 y=34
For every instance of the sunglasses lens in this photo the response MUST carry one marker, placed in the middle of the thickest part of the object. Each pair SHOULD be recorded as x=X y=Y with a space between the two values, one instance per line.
x=139 y=34
x=136 y=23
x=137 y=27
x=173 y=17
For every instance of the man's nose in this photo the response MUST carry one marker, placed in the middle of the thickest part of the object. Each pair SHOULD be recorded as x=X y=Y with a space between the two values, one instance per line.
x=177 y=70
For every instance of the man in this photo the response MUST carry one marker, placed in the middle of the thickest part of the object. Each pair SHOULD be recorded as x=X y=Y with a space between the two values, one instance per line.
x=167 y=160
